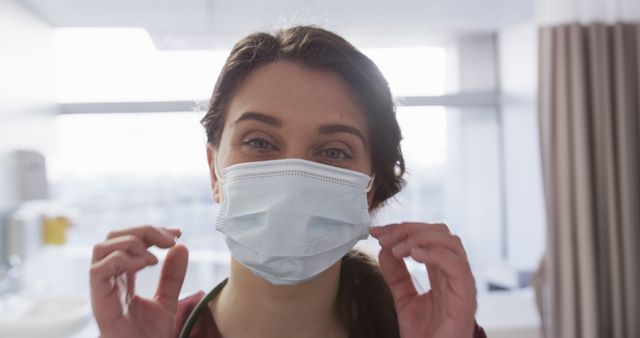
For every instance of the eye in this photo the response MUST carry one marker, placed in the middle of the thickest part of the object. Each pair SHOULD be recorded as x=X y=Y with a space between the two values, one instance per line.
x=259 y=144
x=337 y=154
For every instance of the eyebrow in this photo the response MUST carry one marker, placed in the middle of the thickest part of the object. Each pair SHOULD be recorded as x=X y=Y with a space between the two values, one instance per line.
x=342 y=128
x=260 y=117
x=327 y=129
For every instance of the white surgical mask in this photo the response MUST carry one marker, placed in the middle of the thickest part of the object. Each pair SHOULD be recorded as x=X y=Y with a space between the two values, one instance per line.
x=289 y=220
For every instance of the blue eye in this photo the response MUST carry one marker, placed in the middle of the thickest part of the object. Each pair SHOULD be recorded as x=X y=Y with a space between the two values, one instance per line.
x=336 y=154
x=259 y=144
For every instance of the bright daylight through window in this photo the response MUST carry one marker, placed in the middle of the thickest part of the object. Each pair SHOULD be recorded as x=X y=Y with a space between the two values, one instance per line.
x=122 y=169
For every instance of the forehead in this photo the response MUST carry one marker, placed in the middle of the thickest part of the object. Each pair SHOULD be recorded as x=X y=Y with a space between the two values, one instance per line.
x=297 y=95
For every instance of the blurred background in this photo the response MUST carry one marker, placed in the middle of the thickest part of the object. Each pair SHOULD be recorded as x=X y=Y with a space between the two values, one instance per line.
x=100 y=103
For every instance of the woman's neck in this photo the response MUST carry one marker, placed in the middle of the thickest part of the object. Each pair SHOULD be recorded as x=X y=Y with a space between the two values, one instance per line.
x=249 y=306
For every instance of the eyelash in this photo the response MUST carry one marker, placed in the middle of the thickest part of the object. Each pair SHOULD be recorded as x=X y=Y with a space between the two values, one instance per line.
x=343 y=152
x=251 y=143
x=268 y=146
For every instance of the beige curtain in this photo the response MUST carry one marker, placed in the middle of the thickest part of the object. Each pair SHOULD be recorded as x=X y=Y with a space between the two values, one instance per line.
x=589 y=101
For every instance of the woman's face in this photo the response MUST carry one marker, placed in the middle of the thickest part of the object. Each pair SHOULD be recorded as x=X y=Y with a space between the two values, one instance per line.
x=283 y=110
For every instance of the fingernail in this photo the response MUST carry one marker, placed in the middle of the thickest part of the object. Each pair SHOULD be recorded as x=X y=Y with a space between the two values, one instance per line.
x=167 y=233
x=177 y=233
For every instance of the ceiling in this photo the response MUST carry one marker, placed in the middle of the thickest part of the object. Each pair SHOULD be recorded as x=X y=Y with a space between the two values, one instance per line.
x=197 y=24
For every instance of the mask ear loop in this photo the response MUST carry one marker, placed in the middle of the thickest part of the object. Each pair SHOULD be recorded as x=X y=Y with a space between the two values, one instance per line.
x=217 y=173
x=215 y=168
x=370 y=185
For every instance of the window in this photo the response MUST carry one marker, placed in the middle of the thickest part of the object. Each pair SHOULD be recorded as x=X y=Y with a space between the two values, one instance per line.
x=122 y=65
x=128 y=169
x=123 y=169
x=453 y=177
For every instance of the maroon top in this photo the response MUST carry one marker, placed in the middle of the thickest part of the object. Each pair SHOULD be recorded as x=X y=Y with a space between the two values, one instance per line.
x=205 y=326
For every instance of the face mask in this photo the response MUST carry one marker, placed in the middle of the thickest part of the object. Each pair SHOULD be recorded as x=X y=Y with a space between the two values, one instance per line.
x=289 y=220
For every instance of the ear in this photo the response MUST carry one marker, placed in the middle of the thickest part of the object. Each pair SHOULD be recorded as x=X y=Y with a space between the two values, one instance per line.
x=215 y=187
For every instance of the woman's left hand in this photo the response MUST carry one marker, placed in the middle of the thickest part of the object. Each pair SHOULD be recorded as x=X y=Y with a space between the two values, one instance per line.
x=448 y=309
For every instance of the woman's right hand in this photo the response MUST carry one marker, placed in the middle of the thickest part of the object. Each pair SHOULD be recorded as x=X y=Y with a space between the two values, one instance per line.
x=122 y=254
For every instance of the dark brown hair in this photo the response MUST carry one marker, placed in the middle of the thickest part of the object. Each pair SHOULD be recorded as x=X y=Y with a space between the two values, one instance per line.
x=320 y=49
x=365 y=303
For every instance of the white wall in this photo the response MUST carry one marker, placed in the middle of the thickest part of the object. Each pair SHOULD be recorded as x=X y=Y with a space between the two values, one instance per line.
x=517 y=55
x=27 y=82
x=473 y=198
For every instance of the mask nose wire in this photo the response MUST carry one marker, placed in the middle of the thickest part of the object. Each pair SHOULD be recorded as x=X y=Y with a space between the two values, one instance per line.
x=217 y=172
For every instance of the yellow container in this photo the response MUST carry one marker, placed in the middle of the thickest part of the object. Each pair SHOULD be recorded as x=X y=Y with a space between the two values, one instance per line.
x=55 y=229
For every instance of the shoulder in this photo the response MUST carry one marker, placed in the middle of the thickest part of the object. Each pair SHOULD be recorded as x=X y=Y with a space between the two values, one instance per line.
x=204 y=326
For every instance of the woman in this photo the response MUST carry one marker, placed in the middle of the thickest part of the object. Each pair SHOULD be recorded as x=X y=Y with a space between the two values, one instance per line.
x=303 y=145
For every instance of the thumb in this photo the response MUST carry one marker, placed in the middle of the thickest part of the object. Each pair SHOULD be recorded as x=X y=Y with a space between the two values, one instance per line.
x=173 y=271
x=397 y=276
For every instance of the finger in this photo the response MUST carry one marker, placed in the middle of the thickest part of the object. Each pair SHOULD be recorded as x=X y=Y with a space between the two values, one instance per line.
x=128 y=243
x=141 y=228
x=408 y=230
x=397 y=276
x=455 y=285
x=376 y=231
x=114 y=264
x=172 y=276
x=131 y=285
x=455 y=268
x=163 y=238
x=432 y=273
x=396 y=232
x=104 y=296
x=424 y=239
x=394 y=226
x=402 y=229
x=147 y=231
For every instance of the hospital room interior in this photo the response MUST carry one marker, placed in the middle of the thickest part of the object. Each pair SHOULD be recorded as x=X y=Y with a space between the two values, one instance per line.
x=520 y=124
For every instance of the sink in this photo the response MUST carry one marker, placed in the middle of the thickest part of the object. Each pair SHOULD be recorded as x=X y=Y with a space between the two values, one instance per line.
x=52 y=317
